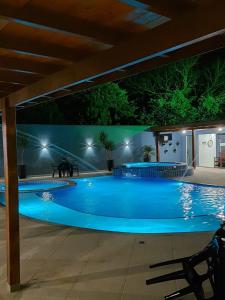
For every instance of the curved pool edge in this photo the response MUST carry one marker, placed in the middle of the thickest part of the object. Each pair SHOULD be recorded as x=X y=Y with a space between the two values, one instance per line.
x=65 y=183
x=53 y=213
x=49 y=210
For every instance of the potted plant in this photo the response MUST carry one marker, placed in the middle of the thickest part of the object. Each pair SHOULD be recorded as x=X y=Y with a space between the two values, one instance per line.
x=109 y=146
x=23 y=143
x=148 y=152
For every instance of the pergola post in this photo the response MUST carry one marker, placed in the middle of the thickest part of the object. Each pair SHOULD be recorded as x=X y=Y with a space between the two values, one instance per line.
x=157 y=146
x=193 y=149
x=11 y=195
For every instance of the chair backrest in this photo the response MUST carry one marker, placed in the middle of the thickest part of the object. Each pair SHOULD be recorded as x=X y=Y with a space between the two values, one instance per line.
x=219 y=269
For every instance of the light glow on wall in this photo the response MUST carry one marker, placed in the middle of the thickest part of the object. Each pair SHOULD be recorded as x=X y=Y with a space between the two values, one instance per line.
x=44 y=149
x=127 y=143
x=89 y=147
x=89 y=144
x=44 y=146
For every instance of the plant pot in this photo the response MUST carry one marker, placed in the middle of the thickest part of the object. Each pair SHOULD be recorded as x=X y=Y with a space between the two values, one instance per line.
x=110 y=164
x=22 y=173
x=146 y=158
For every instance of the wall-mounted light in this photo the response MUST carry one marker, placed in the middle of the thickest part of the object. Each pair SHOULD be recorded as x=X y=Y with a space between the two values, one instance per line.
x=219 y=128
x=184 y=131
x=44 y=149
x=126 y=143
x=44 y=146
x=89 y=145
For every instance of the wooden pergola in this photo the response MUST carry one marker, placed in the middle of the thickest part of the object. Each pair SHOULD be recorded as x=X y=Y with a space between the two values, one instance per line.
x=192 y=127
x=49 y=49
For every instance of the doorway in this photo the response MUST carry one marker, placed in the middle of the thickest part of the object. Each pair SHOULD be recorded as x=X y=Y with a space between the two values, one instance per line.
x=207 y=149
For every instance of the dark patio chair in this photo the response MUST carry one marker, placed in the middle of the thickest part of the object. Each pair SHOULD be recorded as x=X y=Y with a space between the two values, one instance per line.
x=54 y=170
x=220 y=160
x=75 y=167
x=214 y=257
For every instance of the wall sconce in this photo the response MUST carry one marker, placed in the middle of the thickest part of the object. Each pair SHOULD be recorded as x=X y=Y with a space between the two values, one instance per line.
x=89 y=145
x=127 y=144
x=184 y=131
x=219 y=128
x=44 y=146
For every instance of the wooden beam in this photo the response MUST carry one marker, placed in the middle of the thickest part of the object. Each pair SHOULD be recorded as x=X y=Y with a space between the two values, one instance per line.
x=40 y=18
x=34 y=46
x=11 y=195
x=192 y=126
x=157 y=146
x=177 y=34
x=170 y=8
x=17 y=63
x=10 y=87
x=193 y=149
x=18 y=77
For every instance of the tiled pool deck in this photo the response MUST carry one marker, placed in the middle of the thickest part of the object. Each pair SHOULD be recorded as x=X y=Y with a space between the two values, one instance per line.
x=68 y=263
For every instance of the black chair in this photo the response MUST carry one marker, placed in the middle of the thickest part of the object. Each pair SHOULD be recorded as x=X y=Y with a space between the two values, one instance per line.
x=66 y=170
x=54 y=170
x=214 y=257
x=75 y=168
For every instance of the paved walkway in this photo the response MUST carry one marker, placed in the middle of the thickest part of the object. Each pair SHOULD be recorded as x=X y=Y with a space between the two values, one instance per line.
x=215 y=176
x=75 y=264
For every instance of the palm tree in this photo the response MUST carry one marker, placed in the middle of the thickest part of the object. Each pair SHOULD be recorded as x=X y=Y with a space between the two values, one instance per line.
x=148 y=152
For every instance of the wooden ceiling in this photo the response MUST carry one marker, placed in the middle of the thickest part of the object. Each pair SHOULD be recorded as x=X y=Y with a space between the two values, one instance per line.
x=192 y=126
x=49 y=49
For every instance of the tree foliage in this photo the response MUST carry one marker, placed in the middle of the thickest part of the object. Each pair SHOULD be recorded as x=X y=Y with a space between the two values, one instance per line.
x=181 y=92
x=186 y=91
x=108 y=104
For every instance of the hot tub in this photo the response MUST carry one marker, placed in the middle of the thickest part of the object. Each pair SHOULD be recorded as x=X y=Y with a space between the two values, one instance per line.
x=152 y=169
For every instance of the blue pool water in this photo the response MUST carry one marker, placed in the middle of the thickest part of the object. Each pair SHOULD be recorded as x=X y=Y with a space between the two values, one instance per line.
x=149 y=164
x=27 y=186
x=133 y=205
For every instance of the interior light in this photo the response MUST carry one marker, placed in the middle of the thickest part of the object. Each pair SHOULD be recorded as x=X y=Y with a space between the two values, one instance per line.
x=184 y=131
x=220 y=128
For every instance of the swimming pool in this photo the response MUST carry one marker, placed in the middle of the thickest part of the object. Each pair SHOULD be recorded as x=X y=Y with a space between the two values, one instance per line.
x=134 y=205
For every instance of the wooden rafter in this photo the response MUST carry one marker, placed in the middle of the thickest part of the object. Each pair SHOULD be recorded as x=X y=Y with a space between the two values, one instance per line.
x=192 y=126
x=48 y=49
x=170 y=8
x=190 y=29
x=18 y=77
x=13 y=63
x=40 y=18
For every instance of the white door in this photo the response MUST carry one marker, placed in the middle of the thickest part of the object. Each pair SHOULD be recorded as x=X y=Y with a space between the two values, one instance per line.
x=207 y=149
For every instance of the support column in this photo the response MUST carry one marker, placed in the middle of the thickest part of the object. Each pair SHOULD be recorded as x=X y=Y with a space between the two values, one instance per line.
x=157 y=146
x=193 y=150
x=11 y=195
